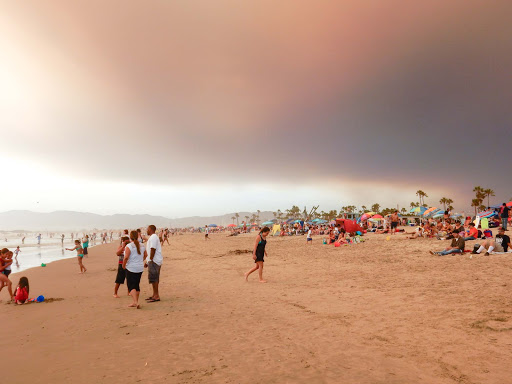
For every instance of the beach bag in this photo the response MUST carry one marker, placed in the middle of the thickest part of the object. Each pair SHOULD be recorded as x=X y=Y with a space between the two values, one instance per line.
x=337 y=244
x=488 y=233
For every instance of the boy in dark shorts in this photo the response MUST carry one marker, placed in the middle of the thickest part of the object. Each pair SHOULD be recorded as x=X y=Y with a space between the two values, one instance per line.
x=121 y=273
x=394 y=222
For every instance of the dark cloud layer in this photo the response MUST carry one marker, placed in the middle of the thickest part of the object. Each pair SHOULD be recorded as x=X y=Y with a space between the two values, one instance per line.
x=180 y=92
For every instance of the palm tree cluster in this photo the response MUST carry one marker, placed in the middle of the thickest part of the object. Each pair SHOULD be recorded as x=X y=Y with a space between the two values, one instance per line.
x=421 y=195
x=480 y=195
x=446 y=201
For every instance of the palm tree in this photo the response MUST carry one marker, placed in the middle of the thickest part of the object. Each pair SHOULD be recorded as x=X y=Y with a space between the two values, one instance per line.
x=445 y=201
x=237 y=216
x=404 y=211
x=414 y=205
x=489 y=192
x=233 y=218
x=376 y=207
x=475 y=203
x=421 y=195
x=363 y=208
x=479 y=192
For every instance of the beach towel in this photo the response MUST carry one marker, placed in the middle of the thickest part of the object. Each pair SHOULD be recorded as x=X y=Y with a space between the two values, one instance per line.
x=276 y=230
x=484 y=224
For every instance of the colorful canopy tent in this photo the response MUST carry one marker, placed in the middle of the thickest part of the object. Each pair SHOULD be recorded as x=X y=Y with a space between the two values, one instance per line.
x=268 y=223
x=276 y=230
x=349 y=225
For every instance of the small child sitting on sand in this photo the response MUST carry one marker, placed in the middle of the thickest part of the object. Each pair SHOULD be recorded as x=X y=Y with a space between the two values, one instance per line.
x=22 y=291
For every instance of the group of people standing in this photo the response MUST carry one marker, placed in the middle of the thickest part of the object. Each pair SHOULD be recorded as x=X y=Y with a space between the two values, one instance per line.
x=135 y=253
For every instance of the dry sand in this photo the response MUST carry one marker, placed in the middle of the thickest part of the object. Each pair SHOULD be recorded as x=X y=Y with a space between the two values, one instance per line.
x=378 y=312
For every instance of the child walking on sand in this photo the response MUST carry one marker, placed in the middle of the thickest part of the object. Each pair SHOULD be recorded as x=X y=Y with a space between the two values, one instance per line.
x=258 y=254
x=22 y=291
x=79 y=254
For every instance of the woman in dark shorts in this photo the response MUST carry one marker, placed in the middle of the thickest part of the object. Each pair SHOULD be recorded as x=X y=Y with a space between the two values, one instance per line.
x=259 y=253
x=133 y=263
x=121 y=273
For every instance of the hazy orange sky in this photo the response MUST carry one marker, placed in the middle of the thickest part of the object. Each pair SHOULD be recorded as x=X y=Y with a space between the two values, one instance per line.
x=287 y=101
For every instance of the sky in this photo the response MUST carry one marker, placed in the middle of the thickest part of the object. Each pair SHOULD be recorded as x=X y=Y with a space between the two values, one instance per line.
x=183 y=108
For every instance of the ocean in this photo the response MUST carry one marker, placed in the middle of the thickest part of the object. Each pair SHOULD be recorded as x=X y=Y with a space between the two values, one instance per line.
x=32 y=255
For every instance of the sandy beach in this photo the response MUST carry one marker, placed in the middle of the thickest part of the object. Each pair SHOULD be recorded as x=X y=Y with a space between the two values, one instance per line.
x=378 y=312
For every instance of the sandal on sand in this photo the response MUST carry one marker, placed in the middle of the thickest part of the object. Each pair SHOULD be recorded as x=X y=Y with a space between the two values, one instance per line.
x=153 y=300
x=149 y=298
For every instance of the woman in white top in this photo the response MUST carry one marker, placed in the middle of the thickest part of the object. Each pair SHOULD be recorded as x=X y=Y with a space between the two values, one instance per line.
x=134 y=256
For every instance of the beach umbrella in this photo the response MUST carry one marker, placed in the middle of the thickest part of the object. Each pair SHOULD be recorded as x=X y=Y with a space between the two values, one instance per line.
x=430 y=210
x=438 y=215
x=497 y=206
x=267 y=223
x=509 y=204
x=376 y=217
x=419 y=210
x=370 y=213
x=212 y=225
x=231 y=225
x=456 y=215
x=486 y=214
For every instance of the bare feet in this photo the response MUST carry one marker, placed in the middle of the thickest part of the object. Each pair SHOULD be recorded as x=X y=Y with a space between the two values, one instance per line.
x=117 y=297
x=133 y=305
x=246 y=274
x=263 y=281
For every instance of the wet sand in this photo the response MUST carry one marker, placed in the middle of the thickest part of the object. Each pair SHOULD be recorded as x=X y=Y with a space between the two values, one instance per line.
x=378 y=312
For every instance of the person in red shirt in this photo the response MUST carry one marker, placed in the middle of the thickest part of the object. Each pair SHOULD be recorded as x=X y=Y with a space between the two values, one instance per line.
x=472 y=232
x=22 y=291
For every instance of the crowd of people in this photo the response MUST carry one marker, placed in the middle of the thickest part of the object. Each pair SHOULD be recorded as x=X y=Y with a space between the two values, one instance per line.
x=140 y=250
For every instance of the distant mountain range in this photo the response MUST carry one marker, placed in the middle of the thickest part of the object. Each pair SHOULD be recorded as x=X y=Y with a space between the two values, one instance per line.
x=70 y=220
